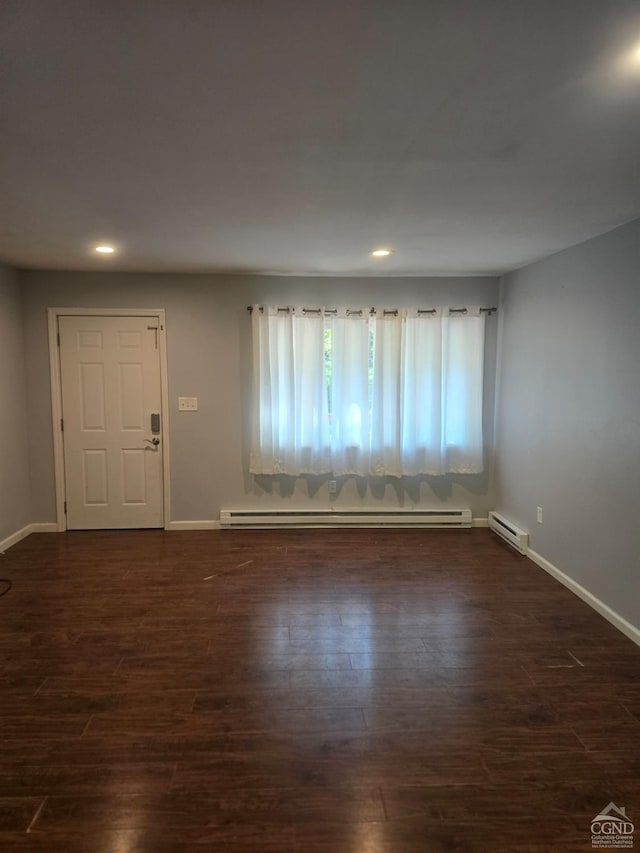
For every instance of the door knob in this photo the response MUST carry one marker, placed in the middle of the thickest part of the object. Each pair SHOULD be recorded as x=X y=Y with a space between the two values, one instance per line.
x=155 y=441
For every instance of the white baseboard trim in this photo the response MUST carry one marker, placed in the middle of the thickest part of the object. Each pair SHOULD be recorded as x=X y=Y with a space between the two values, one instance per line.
x=44 y=527
x=193 y=525
x=480 y=522
x=27 y=530
x=588 y=597
x=16 y=537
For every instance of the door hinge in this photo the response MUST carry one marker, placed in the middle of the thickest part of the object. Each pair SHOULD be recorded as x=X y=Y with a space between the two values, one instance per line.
x=61 y=425
x=58 y=338
x=65 y=507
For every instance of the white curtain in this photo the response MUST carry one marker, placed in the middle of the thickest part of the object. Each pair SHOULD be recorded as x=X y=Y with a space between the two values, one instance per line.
x=291 y=430
x=426 y=415
x=401 y=395
x=350 y=417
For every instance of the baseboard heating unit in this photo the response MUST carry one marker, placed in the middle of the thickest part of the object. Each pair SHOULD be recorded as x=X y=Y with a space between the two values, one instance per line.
x=246 y=518
x=510 y=532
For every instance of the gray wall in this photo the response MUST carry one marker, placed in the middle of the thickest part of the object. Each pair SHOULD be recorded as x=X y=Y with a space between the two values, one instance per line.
x=568 y=423
x=15 y=511
x=208 y=340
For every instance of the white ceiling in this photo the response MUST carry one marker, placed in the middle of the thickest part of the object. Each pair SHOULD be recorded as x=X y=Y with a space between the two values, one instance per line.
x=295 y=136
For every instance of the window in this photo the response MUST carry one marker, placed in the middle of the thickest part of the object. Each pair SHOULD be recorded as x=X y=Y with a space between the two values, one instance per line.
x=354 y=392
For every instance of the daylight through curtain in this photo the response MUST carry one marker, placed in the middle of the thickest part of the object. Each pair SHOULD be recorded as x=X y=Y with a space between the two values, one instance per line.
x=360 y=393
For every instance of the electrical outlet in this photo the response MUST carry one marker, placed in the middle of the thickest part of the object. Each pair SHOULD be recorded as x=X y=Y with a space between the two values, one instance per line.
x=187 y=404
x=539 y=514
x=332 y=487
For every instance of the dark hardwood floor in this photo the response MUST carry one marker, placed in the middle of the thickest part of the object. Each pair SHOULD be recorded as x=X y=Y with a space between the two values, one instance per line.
x=365 y=691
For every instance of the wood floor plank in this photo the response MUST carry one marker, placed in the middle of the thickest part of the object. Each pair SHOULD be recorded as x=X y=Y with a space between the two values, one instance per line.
x=51 y=779
x=17 y=813
x=228 y=722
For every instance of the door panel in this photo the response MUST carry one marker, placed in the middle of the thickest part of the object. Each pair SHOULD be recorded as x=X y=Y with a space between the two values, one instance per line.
x=110 y=373
x=131 y=408
x=92 y=403
x=133 y=477
x=95 y=477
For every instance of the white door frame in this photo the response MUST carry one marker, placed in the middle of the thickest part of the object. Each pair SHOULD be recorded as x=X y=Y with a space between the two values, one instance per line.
x=56 y=398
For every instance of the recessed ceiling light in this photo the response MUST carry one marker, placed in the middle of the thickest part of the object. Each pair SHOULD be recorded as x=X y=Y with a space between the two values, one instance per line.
x=381 y=253
x=630 y=61
x=105 y=250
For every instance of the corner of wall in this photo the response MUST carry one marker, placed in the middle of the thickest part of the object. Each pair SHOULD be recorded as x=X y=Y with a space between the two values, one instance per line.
x=15 y=499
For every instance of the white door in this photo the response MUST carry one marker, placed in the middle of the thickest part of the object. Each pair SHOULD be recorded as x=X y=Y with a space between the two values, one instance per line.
x=110 y=373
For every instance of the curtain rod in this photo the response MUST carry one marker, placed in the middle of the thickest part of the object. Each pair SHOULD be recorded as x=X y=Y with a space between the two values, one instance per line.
x=359 y=311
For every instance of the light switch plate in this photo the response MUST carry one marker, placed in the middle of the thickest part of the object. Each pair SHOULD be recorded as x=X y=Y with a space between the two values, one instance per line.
x=187 y=404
